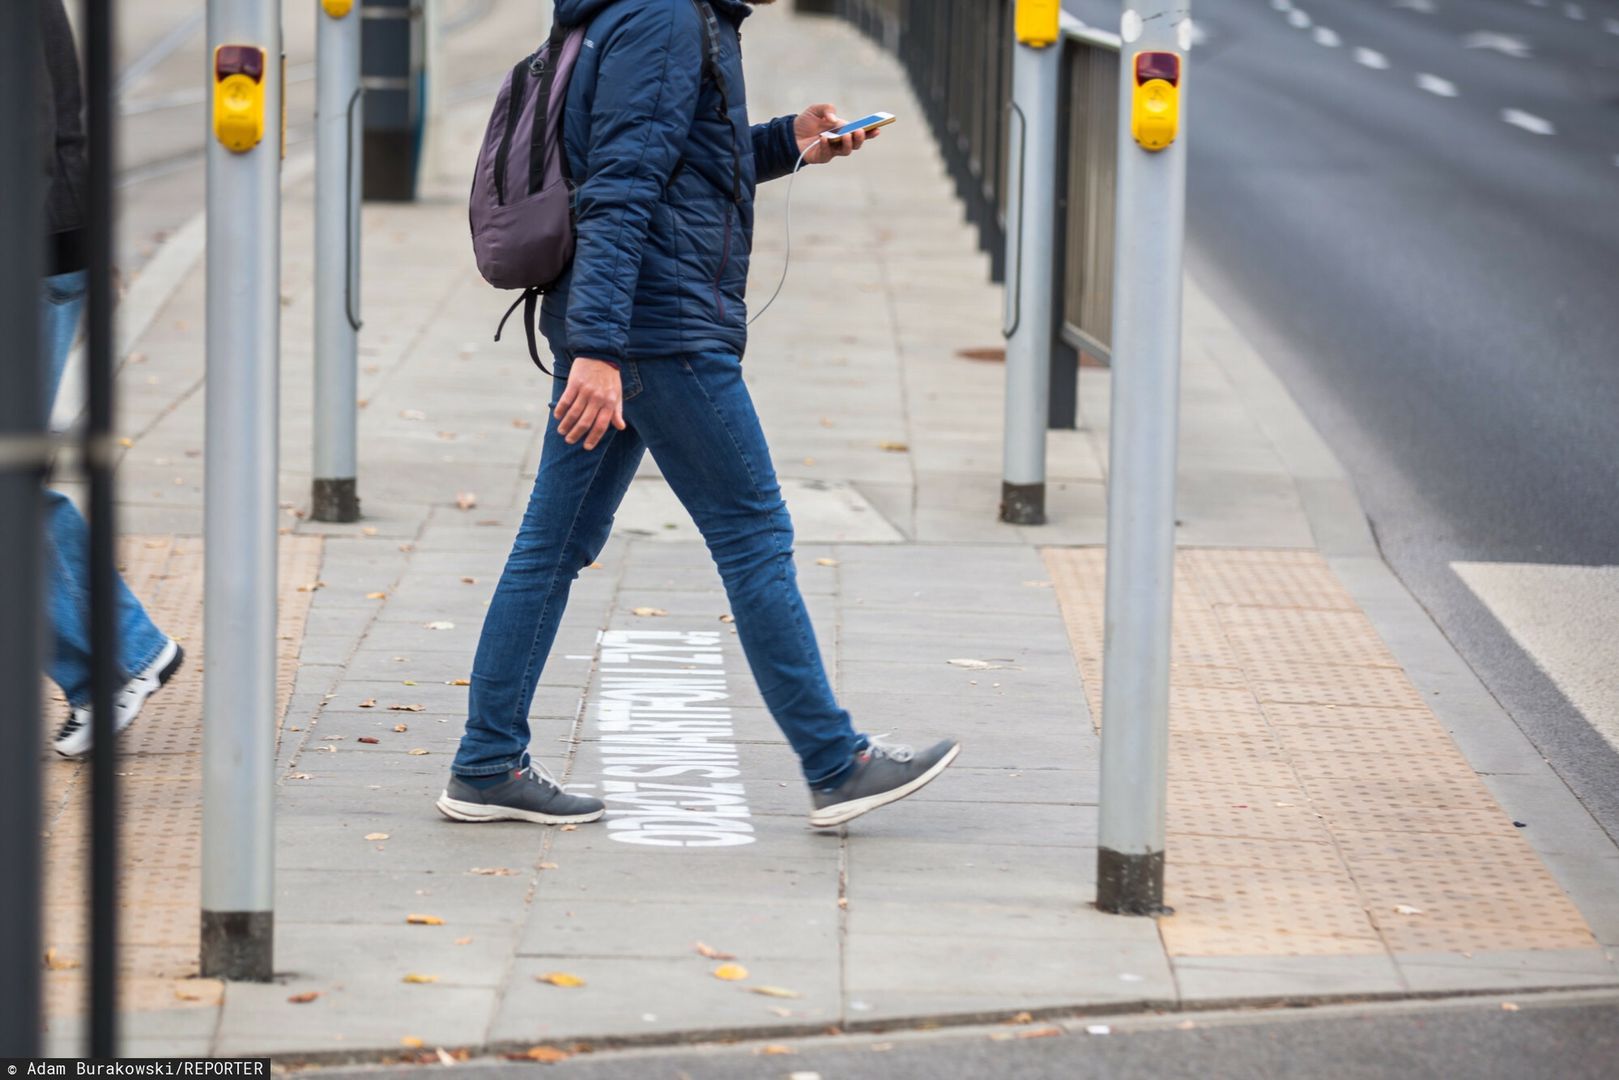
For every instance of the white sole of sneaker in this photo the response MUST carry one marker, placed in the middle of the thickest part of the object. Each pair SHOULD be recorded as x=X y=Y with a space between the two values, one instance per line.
x=837 y=815
x=457 y=810
x=172 y=656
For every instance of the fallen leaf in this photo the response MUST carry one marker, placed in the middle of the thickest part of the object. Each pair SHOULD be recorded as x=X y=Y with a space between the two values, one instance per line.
x=594 y=566
x=1048 y=1032
x=412 y=414
x=466 y=500
x=826 y=562
x=463 y=941
x=401 y=728
x=1407 y=909
x=781 y=1011
x=521 y=425
x=406 y=708
x=560 y=978
x=424 y=920
x=55 y=961
x=418 y=751
x=893 y=446
x=126 y=442
x=459 y=682
x=376 y=836
x=704 y=949
x=1021 y=1018
x=774 y=991
x=413 y=977
x=545 y=866
x=728 y=618
x=730 y=972
x=774 y=1049
x=376 y=596
x=492 y=871
x=569 y=828
x=974 y=665
x=299 y=776
x=545 y=1055
x=648 y=612
x=440 y=624
x=408 y=682
x=304 y=998
x=413 y=1041
x=444 y=1056
x=369 y=530
x=469 y=581
x=369 y=739
x=1507 y=1006
x=369 y=703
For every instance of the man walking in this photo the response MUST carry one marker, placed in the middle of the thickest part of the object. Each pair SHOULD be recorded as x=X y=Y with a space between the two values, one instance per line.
x=648 y=328
x=147 y=656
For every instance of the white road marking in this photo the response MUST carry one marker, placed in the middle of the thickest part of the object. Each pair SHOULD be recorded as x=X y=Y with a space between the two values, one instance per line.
x=1505 y=44
x=1422 y=7
x=1528 y=121
x=1574 y=11
x=1327 y=38
x=1298 y=19
x=1435 y=85
x=1371 y=58
x=1567 y=619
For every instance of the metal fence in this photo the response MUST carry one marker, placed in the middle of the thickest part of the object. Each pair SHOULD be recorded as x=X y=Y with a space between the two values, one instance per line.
x=958 y=54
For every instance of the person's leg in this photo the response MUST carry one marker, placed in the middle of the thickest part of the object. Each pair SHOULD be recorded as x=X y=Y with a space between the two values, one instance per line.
x=699 y=422
x=68 y=588
x=569 y=516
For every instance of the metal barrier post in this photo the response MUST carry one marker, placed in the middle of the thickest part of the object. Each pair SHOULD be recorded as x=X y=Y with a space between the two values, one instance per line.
x=1030 y=219
x=1141 y=470
x=337 y=261
x=24 y=451
x=243 y=341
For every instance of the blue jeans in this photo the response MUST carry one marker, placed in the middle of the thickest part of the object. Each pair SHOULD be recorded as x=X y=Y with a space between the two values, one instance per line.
x=67 y=590
x=695 y=415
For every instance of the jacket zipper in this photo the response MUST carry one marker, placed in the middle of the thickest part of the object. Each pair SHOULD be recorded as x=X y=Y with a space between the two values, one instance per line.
x=725 y=260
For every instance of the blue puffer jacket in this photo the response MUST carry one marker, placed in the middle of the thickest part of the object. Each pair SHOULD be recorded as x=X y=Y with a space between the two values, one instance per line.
x=662 y=257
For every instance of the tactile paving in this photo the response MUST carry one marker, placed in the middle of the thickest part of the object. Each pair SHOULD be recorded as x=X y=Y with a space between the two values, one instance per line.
x=1316 y=805
x=160 y=774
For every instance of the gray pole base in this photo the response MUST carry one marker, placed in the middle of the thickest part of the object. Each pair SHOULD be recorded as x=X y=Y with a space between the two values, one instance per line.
x=238 y=945
x=1023 y=504
x=1130 y=884
x=335 y=500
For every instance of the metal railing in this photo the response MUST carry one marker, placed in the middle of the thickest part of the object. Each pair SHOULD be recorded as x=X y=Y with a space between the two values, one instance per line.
x=958 y=54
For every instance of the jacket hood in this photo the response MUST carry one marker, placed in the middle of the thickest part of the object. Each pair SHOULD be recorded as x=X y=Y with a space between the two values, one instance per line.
x=575 y=12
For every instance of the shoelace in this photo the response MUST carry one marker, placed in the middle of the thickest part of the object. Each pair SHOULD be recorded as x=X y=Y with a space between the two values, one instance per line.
x=892 y=751
x=538 y=771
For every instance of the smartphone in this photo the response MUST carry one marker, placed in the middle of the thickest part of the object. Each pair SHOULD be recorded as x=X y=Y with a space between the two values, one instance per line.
x=865 y=123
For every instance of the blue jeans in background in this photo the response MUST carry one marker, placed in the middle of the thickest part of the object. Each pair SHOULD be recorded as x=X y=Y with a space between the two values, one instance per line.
x=67 y=592
x=695 y=415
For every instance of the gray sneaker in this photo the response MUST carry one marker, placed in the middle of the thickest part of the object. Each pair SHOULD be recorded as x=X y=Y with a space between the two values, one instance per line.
x=528 y=794
x=883 y=773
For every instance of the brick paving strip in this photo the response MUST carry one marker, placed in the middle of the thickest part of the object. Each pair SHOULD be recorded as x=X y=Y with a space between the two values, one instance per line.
x=160 y=770
x=1317 y=807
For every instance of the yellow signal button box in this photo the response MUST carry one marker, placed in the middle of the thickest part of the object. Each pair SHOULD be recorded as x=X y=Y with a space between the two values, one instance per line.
x=239 y=96
x=1037 y=22
x=1155 y=100
x=337 y=8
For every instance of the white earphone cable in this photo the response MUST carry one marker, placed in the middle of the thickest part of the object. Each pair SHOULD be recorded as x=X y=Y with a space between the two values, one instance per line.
x=787 y=232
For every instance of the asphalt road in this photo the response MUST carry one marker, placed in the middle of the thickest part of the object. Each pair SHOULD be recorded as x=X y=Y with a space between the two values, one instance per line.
x=1412 y=208
x=1564 y=1038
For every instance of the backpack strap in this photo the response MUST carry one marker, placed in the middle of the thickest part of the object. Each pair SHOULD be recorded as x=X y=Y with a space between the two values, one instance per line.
x=712 y=72
x=530 y=299
x=542 y=109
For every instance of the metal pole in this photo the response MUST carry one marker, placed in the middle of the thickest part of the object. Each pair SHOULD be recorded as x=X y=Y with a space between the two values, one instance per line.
x=337 y=260
x=1030 y=219
x=243 y=339
x=24 y=451
x=105 y=677
x=1150 y=219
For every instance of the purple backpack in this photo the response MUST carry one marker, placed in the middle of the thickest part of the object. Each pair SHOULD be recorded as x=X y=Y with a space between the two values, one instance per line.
x=521 y=209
